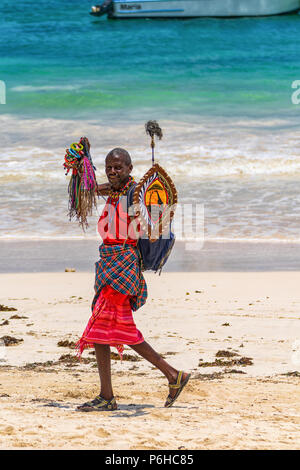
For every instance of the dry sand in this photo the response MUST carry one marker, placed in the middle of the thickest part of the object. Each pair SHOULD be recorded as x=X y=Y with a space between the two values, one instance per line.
x=189 y=317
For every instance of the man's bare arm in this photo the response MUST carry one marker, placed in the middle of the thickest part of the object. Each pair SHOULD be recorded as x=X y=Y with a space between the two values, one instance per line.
x=103 y=189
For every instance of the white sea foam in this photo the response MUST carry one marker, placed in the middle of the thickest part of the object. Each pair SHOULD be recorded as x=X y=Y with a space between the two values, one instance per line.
x=248 y=180
x=31 y=88
x=192 y=161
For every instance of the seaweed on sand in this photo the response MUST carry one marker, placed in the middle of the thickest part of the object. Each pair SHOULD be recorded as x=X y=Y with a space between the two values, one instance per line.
x=4 y=308
x=126 y=357
x=17 y=317
x=10 y=340
x=243 y=361
x=222 y=353
x=68 y=359
x=66 y=344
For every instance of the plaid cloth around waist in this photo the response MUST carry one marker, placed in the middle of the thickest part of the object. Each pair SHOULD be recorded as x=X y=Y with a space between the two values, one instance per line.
x=119 y=267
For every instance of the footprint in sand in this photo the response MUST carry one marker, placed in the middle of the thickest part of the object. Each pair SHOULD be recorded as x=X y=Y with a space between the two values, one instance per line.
x=17 y=444
x=161 y=415
x=72 y=394
x=7 y=430
x=150 y=444
x=101 y=432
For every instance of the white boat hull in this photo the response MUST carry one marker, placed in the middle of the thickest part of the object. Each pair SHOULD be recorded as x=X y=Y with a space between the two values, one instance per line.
x=198 y=8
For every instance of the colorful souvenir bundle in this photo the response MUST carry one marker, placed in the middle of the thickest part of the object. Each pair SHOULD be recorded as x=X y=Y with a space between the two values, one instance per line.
x=83 y=184
x=155 y=196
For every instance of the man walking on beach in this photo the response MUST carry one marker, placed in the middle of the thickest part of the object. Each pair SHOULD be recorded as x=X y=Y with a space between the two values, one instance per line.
x=120 y=288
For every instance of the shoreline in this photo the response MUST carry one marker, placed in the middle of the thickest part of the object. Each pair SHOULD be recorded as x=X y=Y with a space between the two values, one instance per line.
x=55 y=256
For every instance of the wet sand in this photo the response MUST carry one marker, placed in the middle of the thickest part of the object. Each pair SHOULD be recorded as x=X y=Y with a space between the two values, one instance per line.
x=55 y=255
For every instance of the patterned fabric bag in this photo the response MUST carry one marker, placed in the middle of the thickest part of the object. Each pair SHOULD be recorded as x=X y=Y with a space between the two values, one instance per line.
x=153 y=255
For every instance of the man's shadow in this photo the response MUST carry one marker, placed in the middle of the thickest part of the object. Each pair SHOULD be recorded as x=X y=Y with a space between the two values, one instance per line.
x=132 y=411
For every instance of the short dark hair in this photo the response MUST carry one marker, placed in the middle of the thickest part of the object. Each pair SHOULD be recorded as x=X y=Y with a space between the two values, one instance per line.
x=119 y=152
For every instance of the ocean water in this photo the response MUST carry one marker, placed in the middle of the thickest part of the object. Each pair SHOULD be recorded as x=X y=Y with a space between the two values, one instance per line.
x=220 y=89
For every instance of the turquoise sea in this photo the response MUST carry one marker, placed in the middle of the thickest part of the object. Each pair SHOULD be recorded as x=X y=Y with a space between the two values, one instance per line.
x=221 y=90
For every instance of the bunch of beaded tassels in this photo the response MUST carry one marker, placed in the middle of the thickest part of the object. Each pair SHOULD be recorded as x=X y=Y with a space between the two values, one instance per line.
x=83 y=184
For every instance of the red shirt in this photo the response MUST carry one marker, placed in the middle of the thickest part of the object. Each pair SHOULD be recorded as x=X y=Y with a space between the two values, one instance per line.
x=115 y=226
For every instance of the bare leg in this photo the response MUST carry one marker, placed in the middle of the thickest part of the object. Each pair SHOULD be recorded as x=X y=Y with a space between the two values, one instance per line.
x=103 y=361
x=147 y=352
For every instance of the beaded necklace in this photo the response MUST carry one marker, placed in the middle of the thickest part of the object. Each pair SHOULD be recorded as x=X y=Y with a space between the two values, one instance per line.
x=114 y=195
x=121 y=192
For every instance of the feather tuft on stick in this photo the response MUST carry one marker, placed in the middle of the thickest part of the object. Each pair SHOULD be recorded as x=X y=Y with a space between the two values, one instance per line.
x=153 y=129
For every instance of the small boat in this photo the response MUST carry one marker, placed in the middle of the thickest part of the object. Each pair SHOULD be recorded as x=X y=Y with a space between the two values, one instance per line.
x=194 y=8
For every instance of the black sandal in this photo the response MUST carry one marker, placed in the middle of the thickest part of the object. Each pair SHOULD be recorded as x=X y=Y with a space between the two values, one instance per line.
x=179 y=386
x=98 y=404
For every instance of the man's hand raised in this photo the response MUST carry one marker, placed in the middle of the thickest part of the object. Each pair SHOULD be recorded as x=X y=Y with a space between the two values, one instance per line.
x=103 y=189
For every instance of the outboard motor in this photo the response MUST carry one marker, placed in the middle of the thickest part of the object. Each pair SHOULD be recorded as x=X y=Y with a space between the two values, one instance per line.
x=105 y=8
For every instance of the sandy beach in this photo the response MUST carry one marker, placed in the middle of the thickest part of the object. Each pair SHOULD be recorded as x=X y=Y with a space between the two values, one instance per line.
x=226 y=307
x=236 y=332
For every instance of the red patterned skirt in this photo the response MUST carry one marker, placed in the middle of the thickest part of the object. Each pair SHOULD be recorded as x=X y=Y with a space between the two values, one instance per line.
x=111 y=322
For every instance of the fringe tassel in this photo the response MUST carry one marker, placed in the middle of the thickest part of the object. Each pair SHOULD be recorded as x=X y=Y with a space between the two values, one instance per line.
x=83 y=184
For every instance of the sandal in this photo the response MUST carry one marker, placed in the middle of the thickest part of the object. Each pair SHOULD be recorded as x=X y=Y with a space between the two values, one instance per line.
x=98 y=404
x=179 y=386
